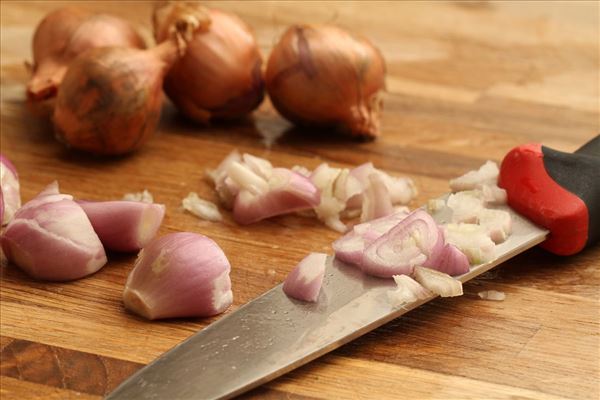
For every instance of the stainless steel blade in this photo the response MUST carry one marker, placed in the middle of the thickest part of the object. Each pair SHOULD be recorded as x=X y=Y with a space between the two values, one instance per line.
x=274 y=334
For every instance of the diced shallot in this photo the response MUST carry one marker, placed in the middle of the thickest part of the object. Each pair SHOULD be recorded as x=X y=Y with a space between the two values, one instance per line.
x=377 y=201
x=305 y=280
x=179 y=275
x=497 y=224
x=492 y=295
x=465 y=206
x=408 y=291
x=438 y=282
x=10 y=195
x=51 y=238
x=487 y=174
x=449 y=260
x=201 y=208
x=144 y=196
x=405 y=246
x=286 y=191
x=472 y=240
x=124 y=225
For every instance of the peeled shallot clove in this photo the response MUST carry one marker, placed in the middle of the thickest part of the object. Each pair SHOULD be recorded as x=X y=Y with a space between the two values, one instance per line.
x=124 y=225
x=179 y=275
x=410 y=243
x=305 y=280
x=10 y=195
x=51 y=238
x=285 y=192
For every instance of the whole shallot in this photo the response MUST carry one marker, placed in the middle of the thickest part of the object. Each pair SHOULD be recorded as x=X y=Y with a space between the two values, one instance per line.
x=320 y=75
x=220 y=74
x=110 y=99
x=64 y=34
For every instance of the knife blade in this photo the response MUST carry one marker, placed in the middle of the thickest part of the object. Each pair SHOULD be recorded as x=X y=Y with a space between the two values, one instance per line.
x=274 y=334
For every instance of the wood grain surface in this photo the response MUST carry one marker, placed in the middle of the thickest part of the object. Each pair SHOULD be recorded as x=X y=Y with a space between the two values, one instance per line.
x=467 y=81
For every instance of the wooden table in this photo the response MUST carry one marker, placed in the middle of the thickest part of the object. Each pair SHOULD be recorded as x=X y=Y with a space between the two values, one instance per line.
x=466 y=83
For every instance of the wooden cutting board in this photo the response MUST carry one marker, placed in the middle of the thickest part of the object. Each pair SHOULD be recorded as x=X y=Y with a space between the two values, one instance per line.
x=466 y=83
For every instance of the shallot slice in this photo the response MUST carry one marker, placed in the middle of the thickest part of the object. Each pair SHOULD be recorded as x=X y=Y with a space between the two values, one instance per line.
x=286 y=192
x=305 y=280
x=51 y=238
x=201 y=208
x=408 y=291
x=472 y=240
x=124 y=225
x=449 y=260
x=438 y=282
x=10 y=194
x=405 y=246
x=377 y=201
x=179 y=275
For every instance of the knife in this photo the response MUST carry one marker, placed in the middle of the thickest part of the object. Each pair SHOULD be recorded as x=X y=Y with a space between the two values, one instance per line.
x=274 y=334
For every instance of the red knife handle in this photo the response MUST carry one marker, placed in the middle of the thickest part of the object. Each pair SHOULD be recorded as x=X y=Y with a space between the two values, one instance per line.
x=559 y=191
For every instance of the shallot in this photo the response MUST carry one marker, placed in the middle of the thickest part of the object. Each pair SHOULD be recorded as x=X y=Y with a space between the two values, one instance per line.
x=484 y=179
x=471 y=239
x=201 y=208
x=64 y=34
x=51 y=238
x=220 y=75
x=10 y=195
x=179 y=275
x=124 y=225
x=305 y=280
x=320 y=75
x=438 y=282
x=408 y=291
x=492 y=295
x=110 y=99
x=144 y=196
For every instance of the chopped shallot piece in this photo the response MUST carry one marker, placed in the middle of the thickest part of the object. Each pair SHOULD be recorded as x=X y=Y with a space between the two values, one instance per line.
x=465 y=206
x=449 y=260
x=329 y=208
x=485 y=175
x=497 y=224
x=408 y=244
x=438 y=282
x=305 y=280
x=408 y=291
x=492 y=295
x=377 y=201
x=492 y=194
x=472 y=240
x=10 y=195
x=201 y=208
x=145 y=197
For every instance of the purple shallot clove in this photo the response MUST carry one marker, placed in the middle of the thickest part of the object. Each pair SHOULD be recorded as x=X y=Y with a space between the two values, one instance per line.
x=51 y=238
x=179 y=275
x=10 y=196
x=305 y=280
x=124 y=225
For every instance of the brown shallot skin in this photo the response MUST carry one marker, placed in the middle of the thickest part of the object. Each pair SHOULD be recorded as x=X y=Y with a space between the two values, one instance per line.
x=220 y=76
x=322 y=76
x=64 y=34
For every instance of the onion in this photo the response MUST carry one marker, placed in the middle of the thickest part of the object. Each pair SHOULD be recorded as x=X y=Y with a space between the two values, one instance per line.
x=408 y=291
x=449 y=259
x=124 y=225
x=323 y=76
x=465 y=206
x=201 y=208
x=377 y=201
x=64 y=34
x=405 y=246
x=110 y=99
x=145 y=197
x=496 y=223
x=220 y=75
x=487 y=174
x=10 y=194
x=492 y=295
x=51 y=238
x=179 y=275
x=305 y=280
x=472 y=240
x=438 y=282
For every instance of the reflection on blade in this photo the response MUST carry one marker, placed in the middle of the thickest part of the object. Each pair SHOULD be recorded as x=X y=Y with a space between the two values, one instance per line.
x=274 y=334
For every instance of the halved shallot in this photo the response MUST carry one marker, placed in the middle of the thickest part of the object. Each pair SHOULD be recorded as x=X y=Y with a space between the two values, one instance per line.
x=51 y=238
x=305 y=280
x=10 y=195
x=438 y=282
x=124 y=225
x=179 y=275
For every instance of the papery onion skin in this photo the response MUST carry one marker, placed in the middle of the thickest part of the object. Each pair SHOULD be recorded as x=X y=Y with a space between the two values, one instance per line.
x=319 y=75
x=181 y=274
x=52 y=239
x=220 y=76
x=64 y=34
